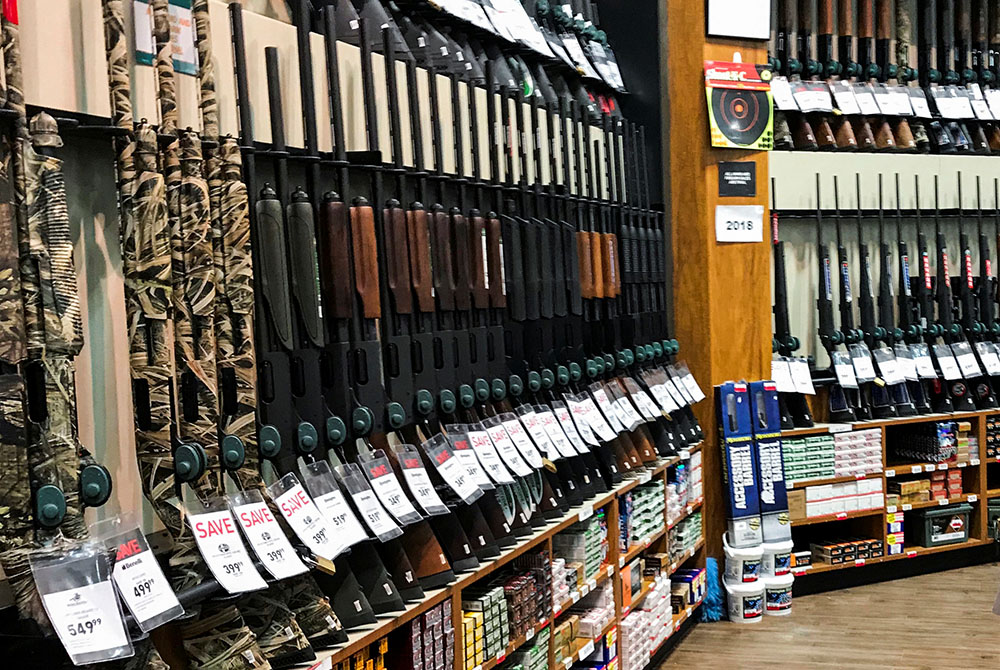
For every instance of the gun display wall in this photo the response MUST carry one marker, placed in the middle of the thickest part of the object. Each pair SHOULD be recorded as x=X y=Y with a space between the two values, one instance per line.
x=887 y=75
x=394 y=300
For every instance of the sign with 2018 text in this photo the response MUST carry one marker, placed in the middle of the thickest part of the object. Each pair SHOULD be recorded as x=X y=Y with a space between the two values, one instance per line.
x=739 y=223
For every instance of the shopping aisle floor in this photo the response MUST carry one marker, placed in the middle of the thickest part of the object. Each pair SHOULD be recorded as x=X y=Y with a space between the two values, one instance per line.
x=936 y=621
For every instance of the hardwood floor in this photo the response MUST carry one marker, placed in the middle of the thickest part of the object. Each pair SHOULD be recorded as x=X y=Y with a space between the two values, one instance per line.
x=937 y=621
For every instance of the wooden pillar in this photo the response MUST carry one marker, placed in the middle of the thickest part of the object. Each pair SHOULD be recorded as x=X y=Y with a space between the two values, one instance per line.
x=722 y=303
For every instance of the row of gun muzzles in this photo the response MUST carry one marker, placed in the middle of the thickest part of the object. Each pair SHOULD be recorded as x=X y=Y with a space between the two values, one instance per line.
x=932 y=335
x=942 y=49
x=326 y=339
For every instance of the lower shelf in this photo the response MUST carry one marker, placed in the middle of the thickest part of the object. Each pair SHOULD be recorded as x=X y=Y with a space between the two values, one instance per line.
x=911 y=552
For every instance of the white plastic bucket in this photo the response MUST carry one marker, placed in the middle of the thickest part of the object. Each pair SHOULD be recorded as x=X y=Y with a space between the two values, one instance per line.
x=742 y=565
x=745 y=602
x=778 y=595
x=777 y=559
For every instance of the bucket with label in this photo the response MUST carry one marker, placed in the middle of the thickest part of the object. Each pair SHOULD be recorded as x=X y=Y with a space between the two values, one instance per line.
x=778 y=595
x=742 y=565
x=745 y=601
x=777 y=559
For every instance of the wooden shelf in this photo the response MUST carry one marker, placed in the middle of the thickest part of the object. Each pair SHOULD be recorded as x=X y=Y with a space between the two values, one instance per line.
x=691 y=509
x=588 y=587
x=993 y=493
x=910 y=552
x=965 y=497
x=637 y=549
x=676 y=565
x=360 y=637
x=903 y=469
x=841 y=516
x=802 y=483
x=647 y=586
x=825 y=428
x=679 y=619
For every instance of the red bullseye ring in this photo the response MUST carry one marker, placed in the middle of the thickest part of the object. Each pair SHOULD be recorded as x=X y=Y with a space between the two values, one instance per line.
x=742 y=116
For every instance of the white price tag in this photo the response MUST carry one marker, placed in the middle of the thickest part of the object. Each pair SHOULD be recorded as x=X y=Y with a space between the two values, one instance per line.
x=422 y=489
x=522 y=441
x=968 y=365
x=86 y=618
x=487 y=453
x=585 y=513
x=373 y=513
x=586 y=650
x=141 y=582
x=646 y=405
x=456 y=475
x=844 y=97
x=556 y=434
x=799 y=369
x=695 y=391
x=739 y=223
x=782 y=94
x=922 y=360
x=579 y=412
x=863 y=368
x=268 y=541
x=568 y=427
x=347 y=530
x=308 y=522
x=919 y=103
x=865 y=98
x=663 y=397
x=900 y=100
x=220 y=545
x=993 y=100
x=509 y=453
x=598 y=422
x=781 y=375
x=988 y=356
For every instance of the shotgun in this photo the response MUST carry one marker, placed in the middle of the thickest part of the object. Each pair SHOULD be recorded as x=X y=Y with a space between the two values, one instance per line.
x=811 y=68
x=851 y=334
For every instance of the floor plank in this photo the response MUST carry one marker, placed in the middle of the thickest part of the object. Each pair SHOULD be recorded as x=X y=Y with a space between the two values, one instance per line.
x=938 y=621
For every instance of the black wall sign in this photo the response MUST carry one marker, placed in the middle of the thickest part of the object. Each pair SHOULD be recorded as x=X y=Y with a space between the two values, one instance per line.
x=738 y=180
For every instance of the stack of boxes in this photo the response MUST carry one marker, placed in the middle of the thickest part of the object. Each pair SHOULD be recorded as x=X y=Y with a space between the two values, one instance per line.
x=941 y=485
x=827 y=499
x=584 y=545
x=373 y=657
x=586 y=620
x=685 y=535
x=695 y=489
x=432 y=643
x=645 y=628
x=560 y=584
x=533 y=655
x=846 y=551
x=484 y=625
x=933 y=442
x=642 y=514
x=894 y=533
x=849 y=454
x=992 y=436
x=536 y=567
x=687 y=588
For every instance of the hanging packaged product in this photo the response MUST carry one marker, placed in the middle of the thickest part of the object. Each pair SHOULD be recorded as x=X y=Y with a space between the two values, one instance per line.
x=222 y=548
x=305 y=519
x=740 y=468
x=417 y=480
x=775 y=520
x=739 y=105
x=79 y=599
x=382 y=478
x=325 y=491
x=137 y=574
x=265 y=535
x=440 y=453
x=372 y=513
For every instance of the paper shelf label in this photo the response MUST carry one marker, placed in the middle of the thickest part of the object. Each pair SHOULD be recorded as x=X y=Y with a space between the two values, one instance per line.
x=890 y=473
x=585 y=514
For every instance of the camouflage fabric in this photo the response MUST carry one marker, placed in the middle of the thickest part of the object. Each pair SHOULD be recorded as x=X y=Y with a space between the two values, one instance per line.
x=51 y=248
x=904 y=33
x=267 y=614
x=163 y=64
x=116 y=46
x=12 y=336
x=13 y=76
x=15 y=490
x=219 y=640
x=206 y=70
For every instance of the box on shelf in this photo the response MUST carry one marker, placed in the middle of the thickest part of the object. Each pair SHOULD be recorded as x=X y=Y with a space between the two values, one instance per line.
x=938 y=526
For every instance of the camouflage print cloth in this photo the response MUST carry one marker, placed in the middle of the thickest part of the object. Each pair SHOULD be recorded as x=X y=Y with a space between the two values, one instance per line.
x=163 y=64
x=904 y=32
x=219 y=640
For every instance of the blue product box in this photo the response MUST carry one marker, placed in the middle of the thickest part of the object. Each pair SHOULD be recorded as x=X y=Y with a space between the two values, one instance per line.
x=739 y=464
x=777 y=525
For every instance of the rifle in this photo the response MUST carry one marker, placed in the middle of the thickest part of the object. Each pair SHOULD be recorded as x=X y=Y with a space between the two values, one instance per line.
x=812 y=68
x=843 y=132
x=794 y=408
x=839 y=408
x=851 y=335
x=904 y=73
x=946 y=55
x=803 y=137
x=909 y=319
x=930 y=76
x=968 y=73
x=884 y=139
x=973 y=328
x=898 y=393
x=902 y=133
x=950 y=331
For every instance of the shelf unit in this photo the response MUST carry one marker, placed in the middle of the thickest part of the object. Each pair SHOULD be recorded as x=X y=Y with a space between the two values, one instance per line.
x=975 y=493
x=361 y=637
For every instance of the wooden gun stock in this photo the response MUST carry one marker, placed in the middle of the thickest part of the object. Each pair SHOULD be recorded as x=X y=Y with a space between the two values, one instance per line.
x=397 y=256
x=845 y=19
x=477 y=258
x=824 y=20
x=418 y=235
x=494 y=264
x=441 y=264
x=365 y=258
x=883 y=23
x=866 y=19
x=597 y=263
x=586 y=264
x=609 y=265
x=333 y=261
x=461 y=264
